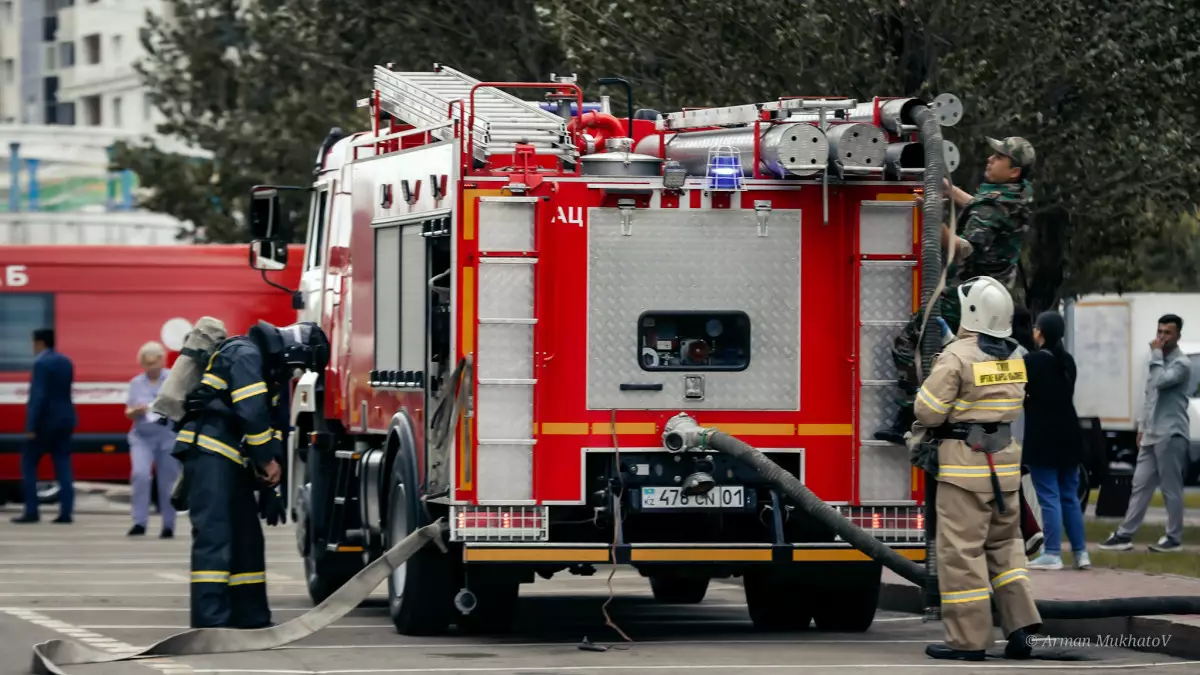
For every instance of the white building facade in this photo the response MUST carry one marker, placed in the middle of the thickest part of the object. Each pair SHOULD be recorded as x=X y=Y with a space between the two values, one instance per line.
x=68 y=91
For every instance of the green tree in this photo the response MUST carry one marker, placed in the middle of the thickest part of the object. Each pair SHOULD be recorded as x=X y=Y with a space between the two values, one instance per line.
x=260 y=84
x=1102 y=91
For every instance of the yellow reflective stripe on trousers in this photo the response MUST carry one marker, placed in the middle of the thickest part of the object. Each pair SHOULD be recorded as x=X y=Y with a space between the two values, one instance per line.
x=967 y=596
x=210 y=577
x=977 y=470
x=213 y=381
x=990 y=404
x=248 y=391
x=277 y=435
x=248 y=578
x=185 y=436
x=932 y=401
x=260 y=438
x=1009 y=577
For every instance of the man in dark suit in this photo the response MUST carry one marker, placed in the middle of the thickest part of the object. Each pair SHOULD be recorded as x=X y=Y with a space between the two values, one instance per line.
x=49 y=422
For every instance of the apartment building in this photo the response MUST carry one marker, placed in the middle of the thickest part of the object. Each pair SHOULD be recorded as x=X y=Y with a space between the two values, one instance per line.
x=72 y=62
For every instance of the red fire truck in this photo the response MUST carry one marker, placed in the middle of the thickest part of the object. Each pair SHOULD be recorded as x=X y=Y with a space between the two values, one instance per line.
x=104 y=302
x=518 y=298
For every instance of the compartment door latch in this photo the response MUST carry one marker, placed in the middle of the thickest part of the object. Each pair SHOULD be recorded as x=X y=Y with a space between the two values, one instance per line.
x=762 y=209
x=627 y=207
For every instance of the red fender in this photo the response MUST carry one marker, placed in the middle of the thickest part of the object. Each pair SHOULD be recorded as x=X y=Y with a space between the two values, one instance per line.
x=604 y=124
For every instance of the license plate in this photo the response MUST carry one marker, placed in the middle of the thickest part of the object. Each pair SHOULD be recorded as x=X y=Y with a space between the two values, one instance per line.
x=720 y=497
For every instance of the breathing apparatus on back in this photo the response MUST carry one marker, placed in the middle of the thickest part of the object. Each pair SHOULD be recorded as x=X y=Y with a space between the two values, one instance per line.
x=198 y=347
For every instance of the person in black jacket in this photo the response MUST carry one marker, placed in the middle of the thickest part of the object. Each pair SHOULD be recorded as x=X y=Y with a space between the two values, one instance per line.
x=1053 y=443
x=1031 y=530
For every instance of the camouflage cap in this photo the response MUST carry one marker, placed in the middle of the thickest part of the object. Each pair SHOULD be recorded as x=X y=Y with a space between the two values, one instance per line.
x=1019 y=150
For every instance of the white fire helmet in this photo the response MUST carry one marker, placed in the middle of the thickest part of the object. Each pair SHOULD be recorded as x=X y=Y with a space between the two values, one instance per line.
x=987 y=307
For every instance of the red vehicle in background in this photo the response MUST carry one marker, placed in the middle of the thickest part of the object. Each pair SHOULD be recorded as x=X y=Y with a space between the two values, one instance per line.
x=104 y=302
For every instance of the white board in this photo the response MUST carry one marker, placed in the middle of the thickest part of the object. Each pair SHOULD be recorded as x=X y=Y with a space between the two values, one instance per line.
x=1102 y=357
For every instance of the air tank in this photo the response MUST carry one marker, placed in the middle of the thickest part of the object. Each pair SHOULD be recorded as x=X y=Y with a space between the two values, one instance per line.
x=794 y=149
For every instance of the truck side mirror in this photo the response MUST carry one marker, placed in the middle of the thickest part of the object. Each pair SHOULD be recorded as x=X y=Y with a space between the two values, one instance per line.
x=267 y=220
x=269 y=255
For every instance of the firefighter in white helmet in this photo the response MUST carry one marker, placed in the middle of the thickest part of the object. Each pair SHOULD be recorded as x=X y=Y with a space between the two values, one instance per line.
x=966 y=405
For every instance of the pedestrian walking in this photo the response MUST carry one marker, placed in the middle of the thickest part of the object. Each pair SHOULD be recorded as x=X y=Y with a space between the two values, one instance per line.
x=150 y=443
x=1162 y=441
x=49 y=424
x=1053 y=444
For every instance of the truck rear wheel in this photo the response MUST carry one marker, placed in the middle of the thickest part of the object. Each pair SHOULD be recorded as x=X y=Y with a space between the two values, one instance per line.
x=778 y=604
x=677 y=589
x=848 y=605
x=420 y=596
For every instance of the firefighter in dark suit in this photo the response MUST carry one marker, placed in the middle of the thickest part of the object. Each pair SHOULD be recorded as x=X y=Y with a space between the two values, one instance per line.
x=230 y=443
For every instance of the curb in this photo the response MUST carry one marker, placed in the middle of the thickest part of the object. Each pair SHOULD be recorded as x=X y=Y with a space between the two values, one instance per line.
x=1145 y=633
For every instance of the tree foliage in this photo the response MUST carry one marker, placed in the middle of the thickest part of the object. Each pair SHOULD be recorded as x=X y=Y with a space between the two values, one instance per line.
x=1103 y=91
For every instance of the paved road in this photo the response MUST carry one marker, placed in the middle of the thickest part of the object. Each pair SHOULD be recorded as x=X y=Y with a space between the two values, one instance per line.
x=89 y=582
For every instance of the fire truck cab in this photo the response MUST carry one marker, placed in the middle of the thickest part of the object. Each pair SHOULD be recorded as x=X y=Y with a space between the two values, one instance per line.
x=519 y=294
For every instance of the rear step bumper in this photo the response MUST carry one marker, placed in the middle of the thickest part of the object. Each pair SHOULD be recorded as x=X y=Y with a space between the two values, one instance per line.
x=624 y=554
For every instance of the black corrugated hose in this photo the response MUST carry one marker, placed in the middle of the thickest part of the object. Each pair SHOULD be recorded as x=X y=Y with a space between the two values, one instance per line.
x=932 y=283
x=884 y=554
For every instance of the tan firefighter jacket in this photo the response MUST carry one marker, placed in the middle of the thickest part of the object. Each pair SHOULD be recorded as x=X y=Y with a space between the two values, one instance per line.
x=965 y=386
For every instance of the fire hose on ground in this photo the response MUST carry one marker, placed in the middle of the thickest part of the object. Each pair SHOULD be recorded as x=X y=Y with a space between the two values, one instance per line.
x=683 y=433
x=50 y=656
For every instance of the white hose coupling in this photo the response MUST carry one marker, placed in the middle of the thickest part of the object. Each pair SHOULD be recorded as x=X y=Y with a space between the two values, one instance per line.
x=682 y=433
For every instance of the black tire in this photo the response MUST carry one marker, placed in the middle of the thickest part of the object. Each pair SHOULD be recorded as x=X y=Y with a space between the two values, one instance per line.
x=678 y=590
x=420 y=595
x=321 y=583
x=319 y=580
x=777 y=605
x=849 y=607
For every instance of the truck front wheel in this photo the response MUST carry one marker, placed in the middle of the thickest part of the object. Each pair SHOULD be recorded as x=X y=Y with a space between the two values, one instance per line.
x=320 y=581
x=677 y=589
x=420 y=596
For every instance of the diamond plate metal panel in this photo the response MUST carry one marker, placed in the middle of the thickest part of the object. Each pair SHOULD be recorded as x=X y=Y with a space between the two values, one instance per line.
x=885 y=228
x=505 y=351
x=505 y=224
x=505 y=290
x=875 y=351
x=505 y=412
x=884 y=473
x=505 y=472
x=669 y=263
x=877 y=407
x=885 y=291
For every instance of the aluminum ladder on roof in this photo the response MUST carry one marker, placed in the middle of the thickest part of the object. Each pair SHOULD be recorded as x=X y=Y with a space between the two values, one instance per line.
x=501 y=120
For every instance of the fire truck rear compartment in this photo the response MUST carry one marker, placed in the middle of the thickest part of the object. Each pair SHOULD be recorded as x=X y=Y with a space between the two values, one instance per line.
x=671 y=327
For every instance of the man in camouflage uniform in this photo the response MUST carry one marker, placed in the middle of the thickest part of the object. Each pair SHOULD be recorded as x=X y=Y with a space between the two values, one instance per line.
x=991 y=231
